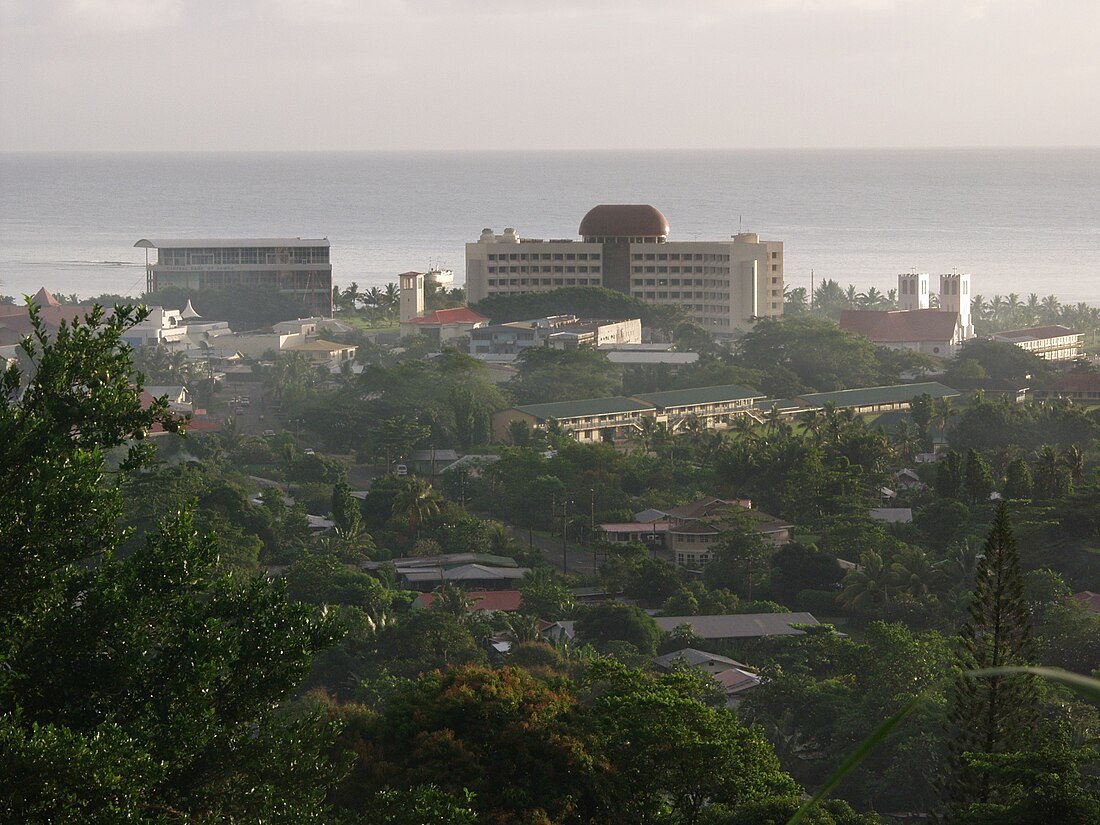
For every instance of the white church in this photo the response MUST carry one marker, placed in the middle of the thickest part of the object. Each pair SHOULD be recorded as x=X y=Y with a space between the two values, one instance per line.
x=915 y=325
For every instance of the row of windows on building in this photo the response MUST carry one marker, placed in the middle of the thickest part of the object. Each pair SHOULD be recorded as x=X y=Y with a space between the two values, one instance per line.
x=206 y=256
x=544 y=256
x=682 y=296
x=676 y=256
x=540 y=282
x=685 y=270
x=693 y=538
x=640 y=282
x=204 y=279
x=559 y=268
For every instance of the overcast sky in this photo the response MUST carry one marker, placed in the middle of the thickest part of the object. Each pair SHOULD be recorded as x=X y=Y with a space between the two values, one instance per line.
x=546 y=74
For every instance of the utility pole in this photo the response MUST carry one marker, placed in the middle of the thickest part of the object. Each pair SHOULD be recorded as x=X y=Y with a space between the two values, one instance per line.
x=564 y=540
x=591 y=516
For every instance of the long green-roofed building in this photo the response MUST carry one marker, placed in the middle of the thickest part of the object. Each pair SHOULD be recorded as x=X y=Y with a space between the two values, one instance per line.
x=878 y=399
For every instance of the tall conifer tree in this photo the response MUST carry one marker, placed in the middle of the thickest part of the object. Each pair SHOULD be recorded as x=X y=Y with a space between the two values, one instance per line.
x=992 y=714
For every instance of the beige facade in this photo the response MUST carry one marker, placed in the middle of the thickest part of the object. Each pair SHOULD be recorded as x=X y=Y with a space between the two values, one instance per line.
x=508 y=265
x=723 y=285
x=1051 y=343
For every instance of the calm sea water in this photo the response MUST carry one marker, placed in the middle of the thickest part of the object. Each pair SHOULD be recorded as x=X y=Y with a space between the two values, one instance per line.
x=1019 y=220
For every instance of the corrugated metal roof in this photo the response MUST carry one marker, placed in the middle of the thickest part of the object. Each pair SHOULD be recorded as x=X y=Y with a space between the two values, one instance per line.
x=699 y=395
x=874 y=396
x=585 y=407
x=739 y=625
x=1034 y=333
x=656 y=357
x=227 y=243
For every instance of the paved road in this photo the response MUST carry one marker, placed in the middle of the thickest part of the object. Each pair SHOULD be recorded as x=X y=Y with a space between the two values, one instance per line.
x=580 y=560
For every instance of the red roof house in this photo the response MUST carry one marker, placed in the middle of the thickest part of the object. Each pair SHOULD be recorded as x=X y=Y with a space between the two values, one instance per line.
x=493 y=601
x=444 y=324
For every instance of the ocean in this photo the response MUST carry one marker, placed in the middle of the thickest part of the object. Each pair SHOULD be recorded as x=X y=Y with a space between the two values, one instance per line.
x=1019 y=220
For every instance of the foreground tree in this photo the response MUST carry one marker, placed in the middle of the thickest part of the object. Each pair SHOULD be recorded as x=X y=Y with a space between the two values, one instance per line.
x=146 y=688
x=670 y=752
x=993 y=714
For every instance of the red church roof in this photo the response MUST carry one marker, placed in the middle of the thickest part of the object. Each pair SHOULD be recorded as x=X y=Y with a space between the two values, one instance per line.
x=458 y=315
x=901 y=326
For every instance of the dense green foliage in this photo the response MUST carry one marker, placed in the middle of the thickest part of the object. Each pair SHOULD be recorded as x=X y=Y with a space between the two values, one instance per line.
x=131 y=682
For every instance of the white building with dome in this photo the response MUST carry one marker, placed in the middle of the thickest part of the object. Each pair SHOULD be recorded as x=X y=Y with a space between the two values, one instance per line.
x=724 y=285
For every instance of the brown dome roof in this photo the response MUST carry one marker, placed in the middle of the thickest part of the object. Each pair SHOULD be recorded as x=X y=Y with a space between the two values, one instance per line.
x=624 y=220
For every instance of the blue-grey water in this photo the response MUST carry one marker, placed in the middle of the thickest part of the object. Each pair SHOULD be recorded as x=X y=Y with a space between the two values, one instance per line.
x=1019 y=220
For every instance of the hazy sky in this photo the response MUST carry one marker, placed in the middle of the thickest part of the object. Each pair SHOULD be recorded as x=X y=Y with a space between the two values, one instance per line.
x=545 y=74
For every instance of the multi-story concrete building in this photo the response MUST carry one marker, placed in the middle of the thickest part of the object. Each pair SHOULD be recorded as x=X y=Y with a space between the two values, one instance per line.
x=299 y=266
x=724 y=285
x=1051 y=343
x=557 y=331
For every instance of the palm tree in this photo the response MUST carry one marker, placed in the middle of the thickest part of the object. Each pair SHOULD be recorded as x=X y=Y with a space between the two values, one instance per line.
x=829 y=297
x=1074 y=459
x=416 y=504
x=868 y=585
x=912 y=573
x=1032 y=308
x=1051 y=307
x=956 y=570
x=979 y=309
x=232 y=435
x=391 y=297
x=646 y=432
x=906 y=441
x=796 y=301
x=522 y=627
x=1047 y=467
x=871 y=299
x=851 y=297
x=372 y=299
x=942 y=413
x=454 y=601
x=996 y=310
x=500 y=540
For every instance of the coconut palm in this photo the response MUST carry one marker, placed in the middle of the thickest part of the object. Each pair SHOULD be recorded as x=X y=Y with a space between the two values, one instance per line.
x=912 y=573
x=500 y=540
x=871 y=299
x=1051 y=308
x=454 y=601
x=1032 y=309
x=979 y=309
x=1074 y=459
x=906 y=441
x=957 y=568
x=522 y=627
x=391 y=297
x=796 y=301
x=869 y=585
x=416 y=504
